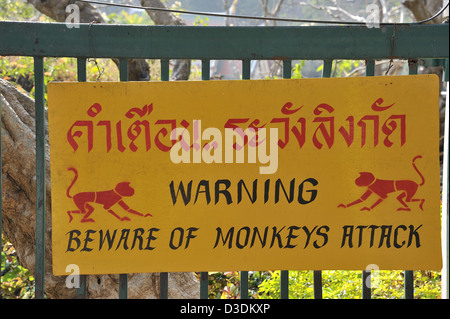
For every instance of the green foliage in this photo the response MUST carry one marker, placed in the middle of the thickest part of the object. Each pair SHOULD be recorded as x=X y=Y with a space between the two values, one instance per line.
x=223 y=285
x=126 y=18
x=297 y=70
x=21 y=71
x=300 y=285
x=17 y=69
x=17 y=10
x=226 y=285
x=343 y=68
x=427 y=284
x=203 y=21
x=17 y=281
x=339 y=284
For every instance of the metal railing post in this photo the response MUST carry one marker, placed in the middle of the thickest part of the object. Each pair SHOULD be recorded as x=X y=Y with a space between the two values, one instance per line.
x=123 y=278
x=40 y=177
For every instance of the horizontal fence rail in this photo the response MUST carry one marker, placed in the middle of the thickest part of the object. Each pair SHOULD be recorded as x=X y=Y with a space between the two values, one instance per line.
x=235 y=43
x=40 y=40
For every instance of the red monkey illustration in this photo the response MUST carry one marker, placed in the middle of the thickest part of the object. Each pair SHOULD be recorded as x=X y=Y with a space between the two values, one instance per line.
x=107 y=198
x=382 y=188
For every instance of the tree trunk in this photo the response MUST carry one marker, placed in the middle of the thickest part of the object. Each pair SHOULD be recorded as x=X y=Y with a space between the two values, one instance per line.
x=424 y=9
x=18 y=209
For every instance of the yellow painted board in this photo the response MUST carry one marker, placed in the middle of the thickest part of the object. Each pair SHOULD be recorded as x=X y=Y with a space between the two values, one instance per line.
x=343 y=173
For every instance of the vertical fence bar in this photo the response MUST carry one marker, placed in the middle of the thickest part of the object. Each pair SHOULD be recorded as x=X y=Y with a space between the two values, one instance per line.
x=165 y=69
x=81 y=76
x=244 y=274
x=205 y=69
x=163 y=285
x=366 y=288
x=317 y=276
x=40 y=177
x=204 y=285
x=204 y=275
x=409 y=284
x=327 y=67
x=81 y=69
x=284 y=274
x=445 y=190
x=445 y=275
x=244 y=285
x=287 y=69
x=284 y=284
x=409 y=274
x=123 y=69
x=123 y=286
x=370 y=67
x=366 y=278
x=246 y=69
x=123 y=278
x=326 y=73
x=164 y=276
x=1 y=195
x=413 y=65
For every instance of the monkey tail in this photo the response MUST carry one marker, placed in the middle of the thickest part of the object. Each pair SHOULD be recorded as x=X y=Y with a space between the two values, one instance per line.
x=73 y=181
x=417 y=170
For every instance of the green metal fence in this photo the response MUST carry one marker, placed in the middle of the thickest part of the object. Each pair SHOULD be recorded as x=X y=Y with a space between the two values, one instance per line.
x=413 y=43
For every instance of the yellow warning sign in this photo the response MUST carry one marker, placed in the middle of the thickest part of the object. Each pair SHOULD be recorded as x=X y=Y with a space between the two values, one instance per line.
x=243 y=175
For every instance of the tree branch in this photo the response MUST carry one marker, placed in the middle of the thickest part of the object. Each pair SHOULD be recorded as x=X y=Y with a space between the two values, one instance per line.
x=335 y=11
